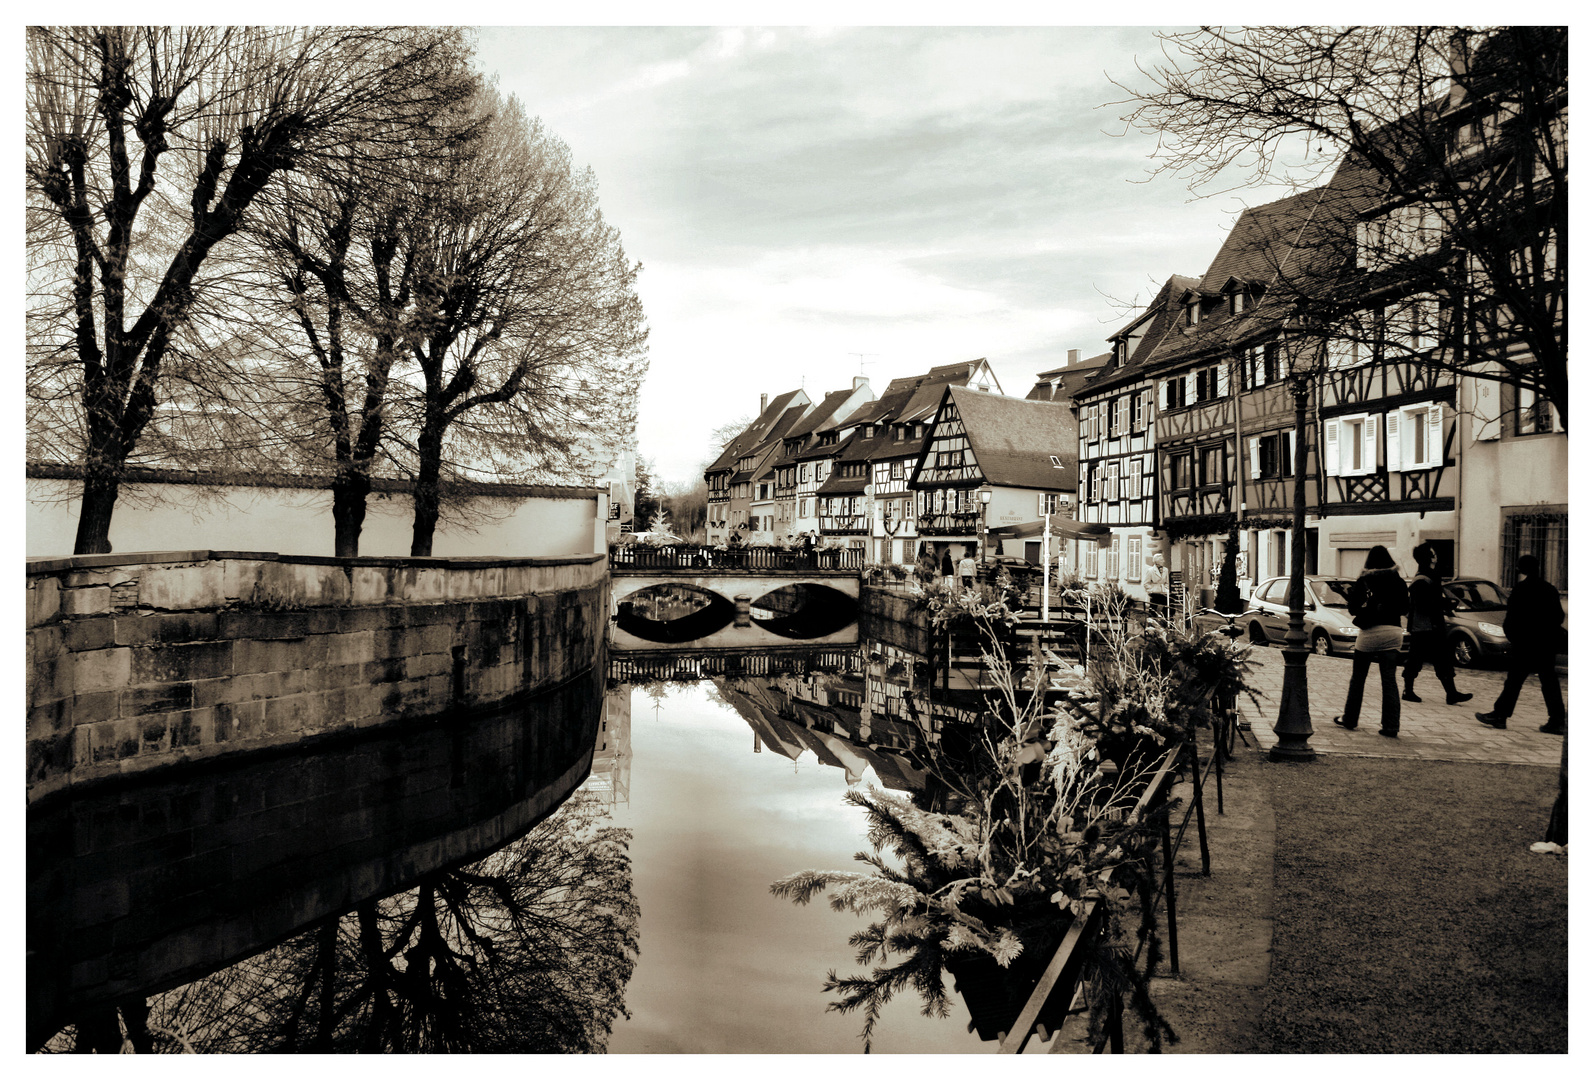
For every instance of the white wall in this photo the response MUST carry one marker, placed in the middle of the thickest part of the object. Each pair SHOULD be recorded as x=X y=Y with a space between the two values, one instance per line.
x=299 y=522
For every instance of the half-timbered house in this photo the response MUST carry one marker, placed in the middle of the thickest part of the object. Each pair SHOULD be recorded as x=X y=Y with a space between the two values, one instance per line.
x=1117 y=447
x=774 y=418
x=807 y=453
x=1021 y=451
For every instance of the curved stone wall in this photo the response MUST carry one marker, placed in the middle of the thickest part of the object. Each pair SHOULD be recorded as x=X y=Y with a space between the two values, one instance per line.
x=135 y=662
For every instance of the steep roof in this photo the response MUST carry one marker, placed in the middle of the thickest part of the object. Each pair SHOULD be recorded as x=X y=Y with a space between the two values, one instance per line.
x=1014 y=439
x=760 y=429
x=1160 y=320
x=1061 y=384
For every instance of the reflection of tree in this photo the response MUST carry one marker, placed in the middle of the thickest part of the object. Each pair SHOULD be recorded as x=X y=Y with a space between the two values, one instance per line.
x=526 y=951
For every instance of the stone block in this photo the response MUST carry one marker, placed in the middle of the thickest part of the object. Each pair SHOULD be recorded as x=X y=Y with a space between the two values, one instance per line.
x=369 y=585
x=240 y=576
x=44 y=600
x=94 y=600
x=388 y=669
x=162 y=698
x=81 y=635
x=438 y=637
x=114 y=740
x=101 y=669
x=145 y=628
x=51 y=719
x=192 y=729
x=92 y=708
x=251 y=656
x=182 y=663
x=50 y=760
x=182 y=588
x=154 y=734
x=417 y=585
x=108 y=576
x=426 y=664
x=241 y=721
x=357 y=648
x=287 y=715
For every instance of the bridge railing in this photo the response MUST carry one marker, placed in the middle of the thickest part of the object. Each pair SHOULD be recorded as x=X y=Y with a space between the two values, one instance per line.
x=624 y=557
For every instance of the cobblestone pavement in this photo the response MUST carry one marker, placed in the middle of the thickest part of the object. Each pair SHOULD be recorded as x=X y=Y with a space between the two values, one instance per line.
x=1431 y=731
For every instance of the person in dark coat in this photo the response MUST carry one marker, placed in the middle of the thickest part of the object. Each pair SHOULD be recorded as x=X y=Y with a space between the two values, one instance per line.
x=948 y=572
x=1533 y=618
x=1429 y=606
x=1377 y=599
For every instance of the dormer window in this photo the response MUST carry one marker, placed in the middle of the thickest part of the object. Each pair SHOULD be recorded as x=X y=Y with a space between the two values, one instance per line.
x=1120 y=352
x=985 y=388
x=1236 y=303
x=1192 y=312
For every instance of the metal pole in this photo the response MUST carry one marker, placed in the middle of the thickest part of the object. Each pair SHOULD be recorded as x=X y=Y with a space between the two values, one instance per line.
x=1294 y=726
x=1046 y=568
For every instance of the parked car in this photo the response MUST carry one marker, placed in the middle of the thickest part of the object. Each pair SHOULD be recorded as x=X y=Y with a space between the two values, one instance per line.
x=1474 y=629
x=1329 y=628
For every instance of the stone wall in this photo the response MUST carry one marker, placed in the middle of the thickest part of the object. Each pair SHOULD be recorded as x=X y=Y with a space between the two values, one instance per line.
x=894 y=618
x=139 y=661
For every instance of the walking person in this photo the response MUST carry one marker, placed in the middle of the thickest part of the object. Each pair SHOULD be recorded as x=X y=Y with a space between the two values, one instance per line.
x=948 y=571
x=808 y=550
x=1429 y=606
x=966 y=568
x=1533 y=618
x=1377 y=599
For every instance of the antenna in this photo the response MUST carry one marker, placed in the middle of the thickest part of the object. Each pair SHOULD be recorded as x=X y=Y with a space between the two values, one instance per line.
x=861 y=360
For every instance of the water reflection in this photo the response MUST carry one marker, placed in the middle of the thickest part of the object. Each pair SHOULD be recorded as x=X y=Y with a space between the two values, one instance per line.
x=526 y=951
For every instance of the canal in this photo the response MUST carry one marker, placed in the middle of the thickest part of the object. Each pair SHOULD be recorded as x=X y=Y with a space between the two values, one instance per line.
x=403 y=892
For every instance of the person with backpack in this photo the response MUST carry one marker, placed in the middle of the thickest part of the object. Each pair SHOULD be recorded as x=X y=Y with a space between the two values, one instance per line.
x=1377 y=600
x=1533 y=620
x=1429 y=606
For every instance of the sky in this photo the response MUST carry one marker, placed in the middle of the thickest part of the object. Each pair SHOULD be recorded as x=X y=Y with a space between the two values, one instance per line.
x=918 y=195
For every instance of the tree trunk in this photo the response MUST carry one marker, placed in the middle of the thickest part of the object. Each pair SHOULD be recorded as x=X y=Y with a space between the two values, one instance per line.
x=94 y=518
x=430 y=447
x=349 y=492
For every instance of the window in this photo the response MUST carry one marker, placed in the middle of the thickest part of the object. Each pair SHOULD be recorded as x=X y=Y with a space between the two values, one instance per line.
x=802 y=474
x=1540 y=531
x=1057 y=462
x=1120 y=352
x=1527 y=413
x=1173 y=393
x=1132 y=557
x=1192 y=312
x=1181 y=474
x=1111 y=573
x=1236 y=303
x=1270 y=362
x=1350 y=445
x=1212 y=383
x=896 y=470
x=1212 y=465
x=1414 y=437
x=1113 y=491
x=802 y=508
x=1137 y=412
x=1048 y=503
x=1091 y=554
x=1121 y=416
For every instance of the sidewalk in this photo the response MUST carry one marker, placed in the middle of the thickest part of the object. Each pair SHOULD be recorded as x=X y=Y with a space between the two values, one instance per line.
x=1431 y=731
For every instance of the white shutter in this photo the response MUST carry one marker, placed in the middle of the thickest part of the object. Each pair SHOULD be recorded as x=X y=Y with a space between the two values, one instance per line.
x=1134 y=473
x=1223 y=379
x=1289 y=465
x=1254 y=448
x=1166 y=388
x=1084 y=482
x=1436 y=434
x=1146 y=409
x=1040 y=504
x=1392 y=446
x=1369 y=446
x=1189 y=388
x=1330 y=447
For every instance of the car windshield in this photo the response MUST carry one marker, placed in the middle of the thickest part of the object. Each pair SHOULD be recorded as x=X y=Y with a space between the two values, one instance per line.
x=1332 y=593
x=1476 y=595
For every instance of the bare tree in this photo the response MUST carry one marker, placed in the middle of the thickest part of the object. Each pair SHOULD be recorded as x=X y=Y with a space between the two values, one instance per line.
x=524 y=328
x=1440 y=233
x=146 y=147
x=338 y=255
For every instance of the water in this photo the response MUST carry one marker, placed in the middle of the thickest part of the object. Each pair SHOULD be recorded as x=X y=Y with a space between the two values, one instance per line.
x=725 y=966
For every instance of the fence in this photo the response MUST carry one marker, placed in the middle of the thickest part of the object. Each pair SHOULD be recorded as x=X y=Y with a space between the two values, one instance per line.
x=627 y=557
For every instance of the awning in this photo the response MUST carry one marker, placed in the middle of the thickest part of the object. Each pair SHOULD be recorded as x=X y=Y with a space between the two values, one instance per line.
x=1067 y=528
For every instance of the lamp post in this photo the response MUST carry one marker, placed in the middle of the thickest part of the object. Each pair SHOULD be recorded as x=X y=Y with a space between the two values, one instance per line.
x=985 y=505
x=1294 y=725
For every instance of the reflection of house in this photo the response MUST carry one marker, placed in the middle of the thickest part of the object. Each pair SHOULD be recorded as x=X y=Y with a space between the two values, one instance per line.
x=1024 y=453
x=611 y=757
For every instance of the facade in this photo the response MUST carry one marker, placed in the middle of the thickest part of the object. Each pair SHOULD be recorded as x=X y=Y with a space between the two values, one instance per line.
x=774 y=418
x=991 y=461
x=1117 y=414
x=806 y=454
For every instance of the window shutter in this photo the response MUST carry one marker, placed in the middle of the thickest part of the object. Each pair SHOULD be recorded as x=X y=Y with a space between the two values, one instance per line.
x=1040 y=504
x=1253 y=445
x=1330 y=447
x=1134 y=478
x=1436 y=434
x=1288 y=468
x=1392 y=447
x=1189 y=387
x=1084 y=482
x=1223 y=379
x=1369 y=446
x=1145 y=409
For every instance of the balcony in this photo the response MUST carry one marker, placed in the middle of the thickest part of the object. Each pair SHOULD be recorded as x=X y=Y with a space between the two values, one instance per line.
x=844 y=525
x=949 y=524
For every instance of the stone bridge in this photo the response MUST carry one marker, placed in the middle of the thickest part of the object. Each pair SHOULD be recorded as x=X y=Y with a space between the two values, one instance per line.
x=730 y=586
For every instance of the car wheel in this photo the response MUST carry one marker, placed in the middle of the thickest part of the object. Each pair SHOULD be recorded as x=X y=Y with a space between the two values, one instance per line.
x=1463 y=650
x=1321 y=645
x=1257 y=634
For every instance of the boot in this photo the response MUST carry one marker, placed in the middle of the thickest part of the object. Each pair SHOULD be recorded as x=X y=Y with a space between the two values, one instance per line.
x=1456 y=697
x=1411 y=695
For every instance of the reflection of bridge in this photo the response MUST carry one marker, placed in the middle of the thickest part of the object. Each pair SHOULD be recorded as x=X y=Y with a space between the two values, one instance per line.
x=807 y=597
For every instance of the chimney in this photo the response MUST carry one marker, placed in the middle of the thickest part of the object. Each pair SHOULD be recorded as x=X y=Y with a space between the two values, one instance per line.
x=860 y=382
x=763 y=403
x=1073 y=357
x=1460 y=68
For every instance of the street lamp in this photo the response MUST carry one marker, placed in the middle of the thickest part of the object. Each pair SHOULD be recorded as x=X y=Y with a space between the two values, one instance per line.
x=1294 y=725
x=985 y=504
